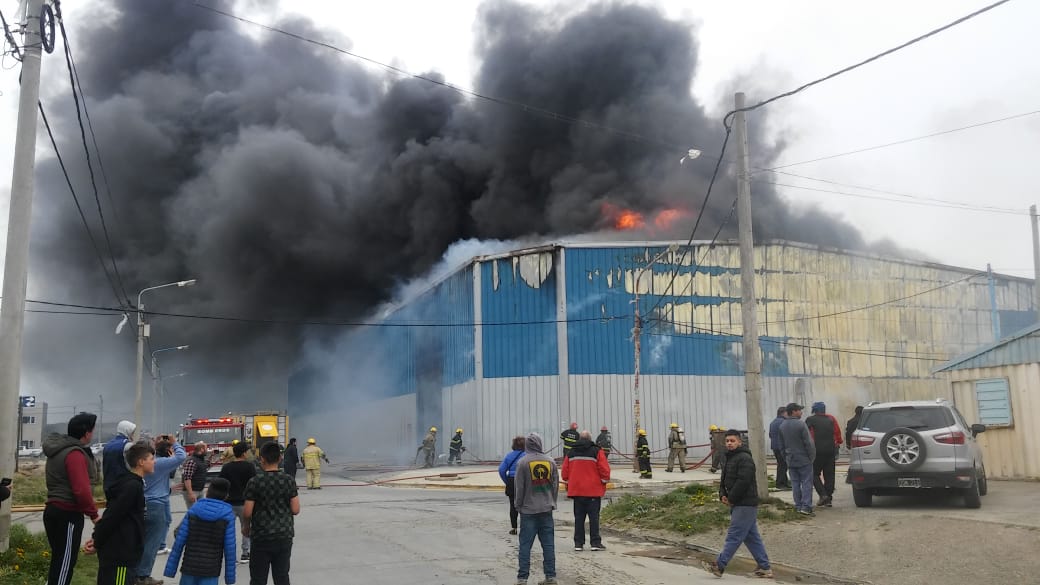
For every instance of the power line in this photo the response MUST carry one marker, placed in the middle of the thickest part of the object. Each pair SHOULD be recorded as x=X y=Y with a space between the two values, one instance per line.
x=904 y=141
x=946 y=205
x=868 y=60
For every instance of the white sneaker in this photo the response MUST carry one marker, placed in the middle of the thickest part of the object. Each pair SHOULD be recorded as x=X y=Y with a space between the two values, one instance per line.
x=164 y=551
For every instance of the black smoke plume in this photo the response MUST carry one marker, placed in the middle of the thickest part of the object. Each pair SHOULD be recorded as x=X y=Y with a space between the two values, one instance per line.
x=296 y=183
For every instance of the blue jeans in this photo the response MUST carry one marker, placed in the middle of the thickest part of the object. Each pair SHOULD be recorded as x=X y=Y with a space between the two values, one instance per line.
x=155 y=528
x=193 y=580
x=743 y=529
x=169 y=520
x=801 y=486
x=542 y=526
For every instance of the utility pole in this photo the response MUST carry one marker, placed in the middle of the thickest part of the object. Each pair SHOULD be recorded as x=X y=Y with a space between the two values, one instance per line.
x=749 y=306
x=155 y=396
x=101 y=418
x=16 y=268
x=994 y=316
x=1036 y=259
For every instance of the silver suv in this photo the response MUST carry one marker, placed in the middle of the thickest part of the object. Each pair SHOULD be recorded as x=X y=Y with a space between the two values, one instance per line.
x=911 y=446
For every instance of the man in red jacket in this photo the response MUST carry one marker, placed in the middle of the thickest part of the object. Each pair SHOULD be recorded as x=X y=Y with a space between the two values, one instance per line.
x=586 y=471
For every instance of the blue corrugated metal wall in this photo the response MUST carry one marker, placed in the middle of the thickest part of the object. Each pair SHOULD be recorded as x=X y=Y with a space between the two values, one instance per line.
x=518 y=350
x=596 y=289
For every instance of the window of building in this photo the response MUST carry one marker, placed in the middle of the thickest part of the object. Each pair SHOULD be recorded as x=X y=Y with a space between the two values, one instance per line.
x=993 y=397
x=28 y=420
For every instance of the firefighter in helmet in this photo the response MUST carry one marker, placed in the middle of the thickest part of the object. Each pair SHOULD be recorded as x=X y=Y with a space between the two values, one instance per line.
x=643 y=453
x=717 y=438
x=603 y=441
x=429 y=447
x=456 y=449
x=312 y=458
x=569 y=437
x=676 y=448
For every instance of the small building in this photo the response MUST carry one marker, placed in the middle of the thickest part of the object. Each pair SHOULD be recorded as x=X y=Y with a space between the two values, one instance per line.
x=32 y=424
x=998 y=385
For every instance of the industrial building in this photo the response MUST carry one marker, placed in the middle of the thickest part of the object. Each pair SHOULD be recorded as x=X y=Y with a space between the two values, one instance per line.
x=533 y=339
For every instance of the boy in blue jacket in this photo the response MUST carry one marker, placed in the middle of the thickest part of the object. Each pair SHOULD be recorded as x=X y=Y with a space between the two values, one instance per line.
x=206 y=534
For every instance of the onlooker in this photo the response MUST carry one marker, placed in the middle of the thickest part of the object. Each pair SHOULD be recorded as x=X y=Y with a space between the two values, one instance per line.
x=826 y=434
x=537 y=488
x=604 y=441
x=587 y=473
x=238 y=473
x=206 y=536
x=193 y=475
x=113 y=459
x=676 y=448
x=164 y=448
x=569 y=436
x=782 y=481
x=292 y=459
x=739 y=490
x=800 y=452
x=5 y=492
x=119 y=535
x=851 y=426
x=271 y=502
x=507 y=471
x=157 y=505
x=312 y=458
x=70 y=472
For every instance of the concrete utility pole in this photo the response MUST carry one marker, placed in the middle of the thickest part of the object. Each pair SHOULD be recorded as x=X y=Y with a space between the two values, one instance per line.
x=749 y=306
x=16 y=272
x=1036 y=259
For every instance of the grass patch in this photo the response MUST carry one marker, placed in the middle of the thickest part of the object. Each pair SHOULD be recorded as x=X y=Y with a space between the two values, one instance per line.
x=687 y=510
x=28 y=558
x=31 y=490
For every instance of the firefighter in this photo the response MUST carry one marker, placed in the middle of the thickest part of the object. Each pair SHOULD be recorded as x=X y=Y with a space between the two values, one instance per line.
x=717 y=439
x=676 y=448
x=643 y=453
x=429 y=447
x=456 y=449
x=603 y=441
x=228 y=455
x=569 y=437
x=312 y=458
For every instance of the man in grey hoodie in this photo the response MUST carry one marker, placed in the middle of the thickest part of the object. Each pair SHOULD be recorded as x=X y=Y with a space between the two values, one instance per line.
x=537 y=487
x=800 y=451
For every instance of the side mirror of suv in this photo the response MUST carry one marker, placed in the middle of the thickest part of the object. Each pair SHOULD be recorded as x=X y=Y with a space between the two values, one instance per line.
x=977 y=428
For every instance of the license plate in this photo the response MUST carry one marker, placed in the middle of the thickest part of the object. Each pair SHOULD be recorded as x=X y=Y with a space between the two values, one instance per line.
x=909 y=482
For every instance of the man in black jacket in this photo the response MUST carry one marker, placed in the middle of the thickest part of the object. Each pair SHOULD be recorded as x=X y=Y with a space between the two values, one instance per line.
x=119 y=535
x=739 y=491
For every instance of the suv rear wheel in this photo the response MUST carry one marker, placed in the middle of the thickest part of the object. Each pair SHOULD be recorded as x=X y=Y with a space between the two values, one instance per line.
x=972 y=498
x=903 y=449
x=983 y=482
x=863 y=498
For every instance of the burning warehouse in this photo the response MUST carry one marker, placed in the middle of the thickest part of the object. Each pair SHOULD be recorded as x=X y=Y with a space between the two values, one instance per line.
x=532 y=339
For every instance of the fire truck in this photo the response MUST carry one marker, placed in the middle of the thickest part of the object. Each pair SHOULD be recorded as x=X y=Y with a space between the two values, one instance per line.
x=255 y=429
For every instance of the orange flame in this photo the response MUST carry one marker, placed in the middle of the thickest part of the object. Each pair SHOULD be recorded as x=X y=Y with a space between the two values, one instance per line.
x=629 y=220
x=667 y=218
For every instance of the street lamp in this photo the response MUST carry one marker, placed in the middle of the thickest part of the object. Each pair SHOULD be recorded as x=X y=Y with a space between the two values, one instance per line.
x=142 y=332
x=156 y=417
x=162 y=394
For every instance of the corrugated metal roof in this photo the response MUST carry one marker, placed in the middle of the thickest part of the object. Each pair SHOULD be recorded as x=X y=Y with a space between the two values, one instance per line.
x=1022 y=347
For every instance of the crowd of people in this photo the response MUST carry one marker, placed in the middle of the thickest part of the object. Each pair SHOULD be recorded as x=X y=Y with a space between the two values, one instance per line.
x=252 y=492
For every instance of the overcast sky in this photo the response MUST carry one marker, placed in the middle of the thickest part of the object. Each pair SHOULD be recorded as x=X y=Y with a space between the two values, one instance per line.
x=982 y=70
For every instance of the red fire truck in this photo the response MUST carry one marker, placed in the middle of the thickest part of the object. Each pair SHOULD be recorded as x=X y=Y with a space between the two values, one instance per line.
x=219 y=433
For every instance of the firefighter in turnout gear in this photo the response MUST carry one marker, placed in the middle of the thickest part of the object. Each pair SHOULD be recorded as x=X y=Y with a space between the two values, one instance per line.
x=429 y=447
x=569 y=438
x=643 y=453
x=717 y=438
x=312 y=458
x=676 y=448
x=604 y=442
x=456 y=449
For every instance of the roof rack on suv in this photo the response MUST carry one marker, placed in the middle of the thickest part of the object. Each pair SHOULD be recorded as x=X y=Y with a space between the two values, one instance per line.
x=873 y=402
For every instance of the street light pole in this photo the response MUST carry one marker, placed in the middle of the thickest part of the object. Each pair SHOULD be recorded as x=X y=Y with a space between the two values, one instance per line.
x=156 y=382
x=142 y=332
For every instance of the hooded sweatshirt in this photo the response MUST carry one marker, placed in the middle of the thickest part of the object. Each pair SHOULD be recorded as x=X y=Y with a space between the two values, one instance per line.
x=537 y=479
x=70 y=473
x=113 y=460
x=205 y=535
x=119 y=535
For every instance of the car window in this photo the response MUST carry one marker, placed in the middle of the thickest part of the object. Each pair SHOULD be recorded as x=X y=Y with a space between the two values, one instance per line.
x=912 y=417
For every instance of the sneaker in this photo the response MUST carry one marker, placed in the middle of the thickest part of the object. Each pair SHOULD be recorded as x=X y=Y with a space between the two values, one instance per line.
x=783 y=487
x=549 y=581
x=521 y=582
x=825 y=501
x=512 y=531
x=245 y=558
x=599 y=547
x=164 y=551
x=804 y=512
x=579 y=548
x=713 y=568
x=761 y=573
x=148 y=581
x=667 y=470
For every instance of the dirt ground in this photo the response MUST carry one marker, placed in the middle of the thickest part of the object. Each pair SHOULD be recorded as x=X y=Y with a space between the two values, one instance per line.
x=910 y=540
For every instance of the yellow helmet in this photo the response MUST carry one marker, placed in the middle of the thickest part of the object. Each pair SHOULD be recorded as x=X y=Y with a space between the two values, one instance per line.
x=311 y=441
x=722 y=428
x=458 y=430
x=433 y=429
x=673 y=426
x=642 y=432
x=235 y=442
x=713 y=428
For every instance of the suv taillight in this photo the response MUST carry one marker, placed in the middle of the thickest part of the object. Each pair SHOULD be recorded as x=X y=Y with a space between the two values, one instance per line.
x=859 y=440
x=951 y=438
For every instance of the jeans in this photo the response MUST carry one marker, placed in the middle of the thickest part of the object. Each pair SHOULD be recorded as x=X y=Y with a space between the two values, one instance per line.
x=270 y=555
x=824 y=465
x=532 y=525
x=240 y=512
x=781 y=468
x=169 y=520
x=743 y=529
x=801 y=486
x=155 y=528
x=585 y=506
x=193 y=580
x=64 y=534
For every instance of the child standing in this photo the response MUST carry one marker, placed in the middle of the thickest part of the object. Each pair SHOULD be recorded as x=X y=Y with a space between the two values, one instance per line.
x=271 y=502
x=206 y=534
x=119 y=535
